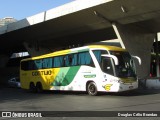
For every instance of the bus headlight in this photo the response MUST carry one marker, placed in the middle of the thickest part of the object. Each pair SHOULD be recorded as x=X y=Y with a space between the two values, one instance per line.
x=120 y=81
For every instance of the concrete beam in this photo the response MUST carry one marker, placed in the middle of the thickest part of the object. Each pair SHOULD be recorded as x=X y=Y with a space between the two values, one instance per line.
x=138 y=42
x=35 y=49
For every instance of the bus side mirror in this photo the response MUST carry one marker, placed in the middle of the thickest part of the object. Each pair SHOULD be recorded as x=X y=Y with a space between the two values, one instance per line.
x=138 y=58
x=113 y=57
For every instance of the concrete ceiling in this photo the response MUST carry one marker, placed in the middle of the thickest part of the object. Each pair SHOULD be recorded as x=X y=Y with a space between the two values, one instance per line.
x=84 y=26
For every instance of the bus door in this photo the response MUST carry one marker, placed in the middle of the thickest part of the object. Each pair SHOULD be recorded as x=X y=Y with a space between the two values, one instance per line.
x=107 y=65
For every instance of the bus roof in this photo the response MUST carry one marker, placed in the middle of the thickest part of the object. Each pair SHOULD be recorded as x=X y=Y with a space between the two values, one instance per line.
x=75 y=50
x=107 y=47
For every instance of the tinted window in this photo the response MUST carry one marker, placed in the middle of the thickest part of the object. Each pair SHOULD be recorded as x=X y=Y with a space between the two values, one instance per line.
x=84 y=58
x=106 y=65
x=75 y=59
x=98 y=54
x=47 y=63
x=58 y=61
x=24 y=65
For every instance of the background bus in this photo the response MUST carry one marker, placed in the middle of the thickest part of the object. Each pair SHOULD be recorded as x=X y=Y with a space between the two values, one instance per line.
x=91 y=68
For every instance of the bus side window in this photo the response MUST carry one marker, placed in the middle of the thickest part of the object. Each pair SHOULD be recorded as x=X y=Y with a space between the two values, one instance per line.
x=66 y=61
x=97 y=54
x=106 y=65
x=70 y=59
x=74 y=59
x=28 y=65
x=58 y=61
x=47 y=63
x=84 y=58
x=24 y=65
x=37 y=64
x=32 y=65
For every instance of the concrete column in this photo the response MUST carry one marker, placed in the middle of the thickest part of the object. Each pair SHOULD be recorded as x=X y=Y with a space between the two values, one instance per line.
x=138 y=42
x=3 y=60
x=35 y=49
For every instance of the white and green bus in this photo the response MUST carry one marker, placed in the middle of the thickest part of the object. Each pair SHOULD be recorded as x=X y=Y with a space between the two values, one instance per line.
x=93 y=68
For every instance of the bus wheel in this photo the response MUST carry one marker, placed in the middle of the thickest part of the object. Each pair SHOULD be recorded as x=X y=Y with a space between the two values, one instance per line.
x=92 y=89
x=39 y=87
x=32 y=87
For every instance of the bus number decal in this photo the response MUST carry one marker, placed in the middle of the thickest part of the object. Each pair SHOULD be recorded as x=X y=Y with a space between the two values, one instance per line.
x=108 y=87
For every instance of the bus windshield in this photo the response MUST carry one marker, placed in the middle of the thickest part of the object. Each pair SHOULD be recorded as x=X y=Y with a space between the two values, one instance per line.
x=126 y=67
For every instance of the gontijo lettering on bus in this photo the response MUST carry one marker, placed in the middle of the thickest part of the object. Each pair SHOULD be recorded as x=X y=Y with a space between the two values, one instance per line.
x=43 y=72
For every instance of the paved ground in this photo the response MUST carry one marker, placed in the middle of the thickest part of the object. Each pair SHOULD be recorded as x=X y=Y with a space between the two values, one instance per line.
x=12 y=99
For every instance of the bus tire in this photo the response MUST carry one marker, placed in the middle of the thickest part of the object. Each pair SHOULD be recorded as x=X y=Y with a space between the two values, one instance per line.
x=92 y=88
x=39 y=87
x=32 y=87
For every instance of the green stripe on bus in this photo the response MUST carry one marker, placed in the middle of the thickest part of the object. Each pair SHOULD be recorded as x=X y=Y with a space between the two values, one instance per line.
x=65 y=76
x=70 y=75
x=60 y=76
